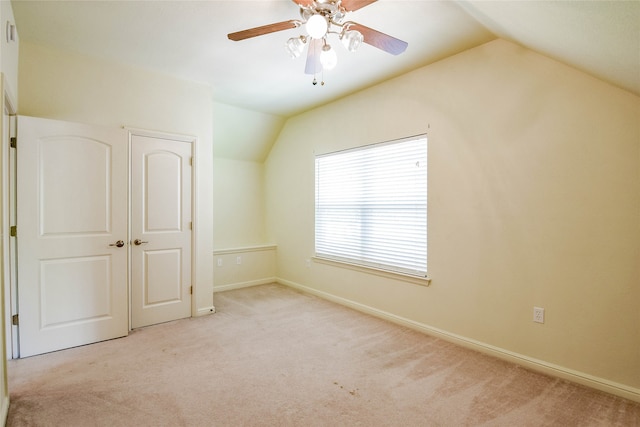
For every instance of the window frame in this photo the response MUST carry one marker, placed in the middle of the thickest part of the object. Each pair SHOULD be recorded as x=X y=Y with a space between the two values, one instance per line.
x=397 y=271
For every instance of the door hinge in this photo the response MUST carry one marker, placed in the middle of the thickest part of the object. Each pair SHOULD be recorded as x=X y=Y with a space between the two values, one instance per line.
x=191 y=290
x=190 y=161
x=15 y=320
x=191 y=225
x=13 y=231
x=13 y=142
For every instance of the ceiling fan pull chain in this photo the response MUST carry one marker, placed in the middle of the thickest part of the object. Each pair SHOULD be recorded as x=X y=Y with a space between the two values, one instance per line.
x=324 y=42
x=315 y=69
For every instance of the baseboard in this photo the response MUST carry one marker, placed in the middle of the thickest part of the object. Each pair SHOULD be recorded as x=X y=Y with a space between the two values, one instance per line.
x=541 y=366
x=4 y=410
x=205 y=310
x=239 y=285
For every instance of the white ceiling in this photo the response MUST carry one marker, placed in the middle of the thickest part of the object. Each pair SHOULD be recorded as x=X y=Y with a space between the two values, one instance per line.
x=188 y=39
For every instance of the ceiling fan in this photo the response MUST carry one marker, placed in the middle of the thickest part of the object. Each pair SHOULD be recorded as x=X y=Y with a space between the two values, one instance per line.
x=321 y=18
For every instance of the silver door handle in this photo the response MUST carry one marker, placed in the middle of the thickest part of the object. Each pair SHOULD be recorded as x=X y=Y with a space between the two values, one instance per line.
x=119 y=243
x=139 y=242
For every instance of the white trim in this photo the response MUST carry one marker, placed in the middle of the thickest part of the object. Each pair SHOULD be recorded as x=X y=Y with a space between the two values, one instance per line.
x=8 y=210
x=193 y=140
x=418 y=280
x=538 y=365
x=8 y=297
x=257 y=248
x=205 y=311
x=160 y=134
x=4 y=409
x=358 y=193
x=195 y=144
x=247 y=284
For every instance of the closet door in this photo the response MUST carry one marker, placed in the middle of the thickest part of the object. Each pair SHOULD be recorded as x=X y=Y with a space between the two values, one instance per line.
x=161 y=177
x=72 y=234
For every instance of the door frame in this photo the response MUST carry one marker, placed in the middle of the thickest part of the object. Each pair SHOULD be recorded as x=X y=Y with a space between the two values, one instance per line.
x=193 y=140
x=9 y=259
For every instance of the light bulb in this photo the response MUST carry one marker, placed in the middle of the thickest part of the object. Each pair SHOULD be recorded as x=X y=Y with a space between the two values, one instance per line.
x=317 y=26
x=295 y=45
x=328 y=58
x=352 y=40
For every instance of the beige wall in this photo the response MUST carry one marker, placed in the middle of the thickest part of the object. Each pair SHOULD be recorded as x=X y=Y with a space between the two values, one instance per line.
x=534 y=200
x=241 y=140
x=238 y=211
x=9 y=52
x=60 y=85
x=239 y=227
x=244 y=266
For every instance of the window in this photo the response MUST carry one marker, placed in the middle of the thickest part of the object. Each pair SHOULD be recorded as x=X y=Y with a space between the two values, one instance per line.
x=371 y=206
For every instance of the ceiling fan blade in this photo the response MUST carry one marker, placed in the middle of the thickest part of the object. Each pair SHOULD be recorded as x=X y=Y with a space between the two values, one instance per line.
x=351 y=5
x=314 y=66
x=306 y=3
x=380 y=40
x=265 y=29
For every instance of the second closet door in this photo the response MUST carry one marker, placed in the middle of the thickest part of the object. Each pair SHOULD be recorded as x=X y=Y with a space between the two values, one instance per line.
x=160 y=223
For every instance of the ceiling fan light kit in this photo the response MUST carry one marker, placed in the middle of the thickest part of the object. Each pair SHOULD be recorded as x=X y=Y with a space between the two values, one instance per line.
x=352 y=40
x=317 y=26
x=328 y=58
x=320 y=19
x=295 y=46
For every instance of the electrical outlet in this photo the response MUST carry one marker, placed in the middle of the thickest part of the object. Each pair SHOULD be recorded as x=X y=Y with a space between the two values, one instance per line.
x=219 y=262
x=538 y=314
x=238 y=260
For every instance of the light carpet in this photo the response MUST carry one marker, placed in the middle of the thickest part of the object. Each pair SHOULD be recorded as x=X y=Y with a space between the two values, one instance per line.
x=273 y=356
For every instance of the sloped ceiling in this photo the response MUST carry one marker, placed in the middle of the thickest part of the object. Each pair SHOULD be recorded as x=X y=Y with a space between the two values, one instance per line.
x=256 y=78
x=601 y=38
x=243 y=134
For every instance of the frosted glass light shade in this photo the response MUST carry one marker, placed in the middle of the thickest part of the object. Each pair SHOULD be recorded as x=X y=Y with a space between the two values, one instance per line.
x=352 y=40
x=317 y=26
x=294 y=46
x=328 y=58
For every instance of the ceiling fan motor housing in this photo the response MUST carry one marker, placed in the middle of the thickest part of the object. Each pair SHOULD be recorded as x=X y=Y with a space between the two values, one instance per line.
x=330 y=9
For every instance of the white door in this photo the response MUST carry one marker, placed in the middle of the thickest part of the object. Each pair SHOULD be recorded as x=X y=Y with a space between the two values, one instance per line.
x=160 y=229
x=72 y=233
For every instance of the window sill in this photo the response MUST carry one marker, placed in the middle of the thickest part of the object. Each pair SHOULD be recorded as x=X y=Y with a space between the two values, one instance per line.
x=422 y=281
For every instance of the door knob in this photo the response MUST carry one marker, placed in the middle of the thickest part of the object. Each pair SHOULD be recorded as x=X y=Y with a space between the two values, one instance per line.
x=139 y=242
x=119 y=243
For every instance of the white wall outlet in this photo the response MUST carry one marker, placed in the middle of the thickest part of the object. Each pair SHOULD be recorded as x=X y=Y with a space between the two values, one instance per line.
x=308 y=262
x=538 y=314
x=219 y=262
x=238 y=260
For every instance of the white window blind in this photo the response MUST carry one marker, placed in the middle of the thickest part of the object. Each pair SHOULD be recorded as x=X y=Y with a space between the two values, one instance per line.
x=371 y=206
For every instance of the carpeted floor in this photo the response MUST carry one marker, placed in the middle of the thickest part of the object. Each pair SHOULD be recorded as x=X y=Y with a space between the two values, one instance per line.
x=272 y=356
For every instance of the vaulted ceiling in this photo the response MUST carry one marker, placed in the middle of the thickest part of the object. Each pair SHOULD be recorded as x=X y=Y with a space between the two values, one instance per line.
x=188 y=39
x=256 y=86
